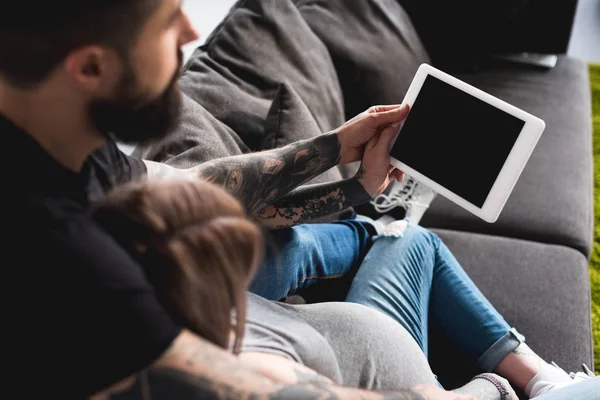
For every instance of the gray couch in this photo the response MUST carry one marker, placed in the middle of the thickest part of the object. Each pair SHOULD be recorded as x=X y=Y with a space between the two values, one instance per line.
x=276 y=71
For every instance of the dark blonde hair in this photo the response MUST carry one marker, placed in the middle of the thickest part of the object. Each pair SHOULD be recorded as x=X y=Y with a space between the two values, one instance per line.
x=197 y=246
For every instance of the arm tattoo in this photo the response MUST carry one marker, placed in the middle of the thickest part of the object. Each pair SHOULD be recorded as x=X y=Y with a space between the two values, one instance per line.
x=313 y=202
x=195 y=369
x=263 y=178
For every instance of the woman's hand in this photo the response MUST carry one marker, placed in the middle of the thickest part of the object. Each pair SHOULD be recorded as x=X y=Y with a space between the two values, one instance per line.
x=376 y=173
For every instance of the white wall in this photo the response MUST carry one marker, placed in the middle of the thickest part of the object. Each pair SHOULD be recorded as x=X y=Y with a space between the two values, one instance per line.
x=205 y=15
x=585 y=38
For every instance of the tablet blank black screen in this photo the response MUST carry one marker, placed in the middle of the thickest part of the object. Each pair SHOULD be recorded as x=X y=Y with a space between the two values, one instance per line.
x=457 y=140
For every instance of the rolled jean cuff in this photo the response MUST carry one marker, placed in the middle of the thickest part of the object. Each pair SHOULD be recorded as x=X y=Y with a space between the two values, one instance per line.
x=493 y=356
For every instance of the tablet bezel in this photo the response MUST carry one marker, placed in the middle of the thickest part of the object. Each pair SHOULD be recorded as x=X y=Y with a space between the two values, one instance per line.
x=515 y=162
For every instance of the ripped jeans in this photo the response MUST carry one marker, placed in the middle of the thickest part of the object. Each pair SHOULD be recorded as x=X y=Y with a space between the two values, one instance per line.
x=407 y=273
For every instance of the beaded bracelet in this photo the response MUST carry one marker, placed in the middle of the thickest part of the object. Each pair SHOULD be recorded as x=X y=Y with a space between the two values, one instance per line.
x=492 y=379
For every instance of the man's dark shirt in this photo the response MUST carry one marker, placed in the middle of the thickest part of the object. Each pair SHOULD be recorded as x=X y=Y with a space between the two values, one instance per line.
x=80 y=314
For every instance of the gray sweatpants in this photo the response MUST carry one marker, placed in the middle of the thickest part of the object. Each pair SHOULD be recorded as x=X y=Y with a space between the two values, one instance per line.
x=348 y=343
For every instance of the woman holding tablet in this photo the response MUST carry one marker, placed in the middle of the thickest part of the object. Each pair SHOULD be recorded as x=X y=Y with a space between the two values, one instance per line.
x=188 y=234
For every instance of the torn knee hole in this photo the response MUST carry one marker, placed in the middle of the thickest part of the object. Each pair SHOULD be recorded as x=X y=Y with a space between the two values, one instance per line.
x=396 y=228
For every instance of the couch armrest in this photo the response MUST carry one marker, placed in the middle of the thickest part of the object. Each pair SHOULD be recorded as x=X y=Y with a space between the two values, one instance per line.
x=459 y=34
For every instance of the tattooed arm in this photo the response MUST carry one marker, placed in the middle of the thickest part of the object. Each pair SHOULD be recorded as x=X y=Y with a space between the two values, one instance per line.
x=196 y=369
x=313 y=202
x=264 y=178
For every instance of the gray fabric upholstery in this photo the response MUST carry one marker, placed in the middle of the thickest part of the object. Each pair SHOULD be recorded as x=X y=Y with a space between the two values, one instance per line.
x=289 y=120
x=375 y=49
x=542 y=290
x=199 y=137
x=262 y=80
x=551 y=203
x=261 y=44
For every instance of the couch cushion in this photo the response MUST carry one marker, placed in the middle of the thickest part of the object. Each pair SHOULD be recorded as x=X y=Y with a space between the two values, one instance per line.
x=262 y=80
x=374 y=46
x=198 y=138
x=542 y=290
x=552 y=201
x=289 y=120
x=463 y=34
x=260 y=44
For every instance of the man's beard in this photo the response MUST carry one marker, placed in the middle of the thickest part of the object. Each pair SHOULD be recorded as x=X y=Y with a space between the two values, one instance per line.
x=130 y=117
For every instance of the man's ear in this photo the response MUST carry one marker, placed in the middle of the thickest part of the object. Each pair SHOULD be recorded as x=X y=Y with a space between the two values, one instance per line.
x=92 y=68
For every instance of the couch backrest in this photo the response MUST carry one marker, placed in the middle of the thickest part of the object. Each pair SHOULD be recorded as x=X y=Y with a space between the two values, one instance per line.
x=459 y=34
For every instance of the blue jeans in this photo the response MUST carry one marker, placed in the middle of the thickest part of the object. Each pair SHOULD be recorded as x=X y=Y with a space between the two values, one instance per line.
x=301 y=256
x=411 y=277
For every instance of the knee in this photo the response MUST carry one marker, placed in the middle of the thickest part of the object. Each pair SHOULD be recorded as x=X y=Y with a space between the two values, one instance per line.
x=423 y=234
x=396 y=228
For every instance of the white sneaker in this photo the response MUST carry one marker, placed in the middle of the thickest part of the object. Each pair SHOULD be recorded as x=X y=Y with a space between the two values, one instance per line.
x=411 y=195
x=580 y=376
x=552 y=377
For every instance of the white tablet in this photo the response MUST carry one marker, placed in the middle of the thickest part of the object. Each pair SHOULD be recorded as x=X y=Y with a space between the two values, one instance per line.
x=463 y=143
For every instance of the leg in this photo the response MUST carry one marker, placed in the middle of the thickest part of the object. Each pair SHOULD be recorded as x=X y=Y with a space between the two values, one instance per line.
x=395 y=278
x=477 y=321
x=300 y=256
x=464 y=313
x=521 y=365
x=413 y=278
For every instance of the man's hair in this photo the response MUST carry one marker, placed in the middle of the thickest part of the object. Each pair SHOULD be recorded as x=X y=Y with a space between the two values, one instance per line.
x=36 y=36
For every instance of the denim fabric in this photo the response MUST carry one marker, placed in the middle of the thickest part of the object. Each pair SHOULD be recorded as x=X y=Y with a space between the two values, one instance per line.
x=300 y=256
x=416 y=280
x=412 y=277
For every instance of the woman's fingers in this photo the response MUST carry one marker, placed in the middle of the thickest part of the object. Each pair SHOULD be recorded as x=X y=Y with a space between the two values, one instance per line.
x=378 y=109
x=381 y=119
x=399 y=175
